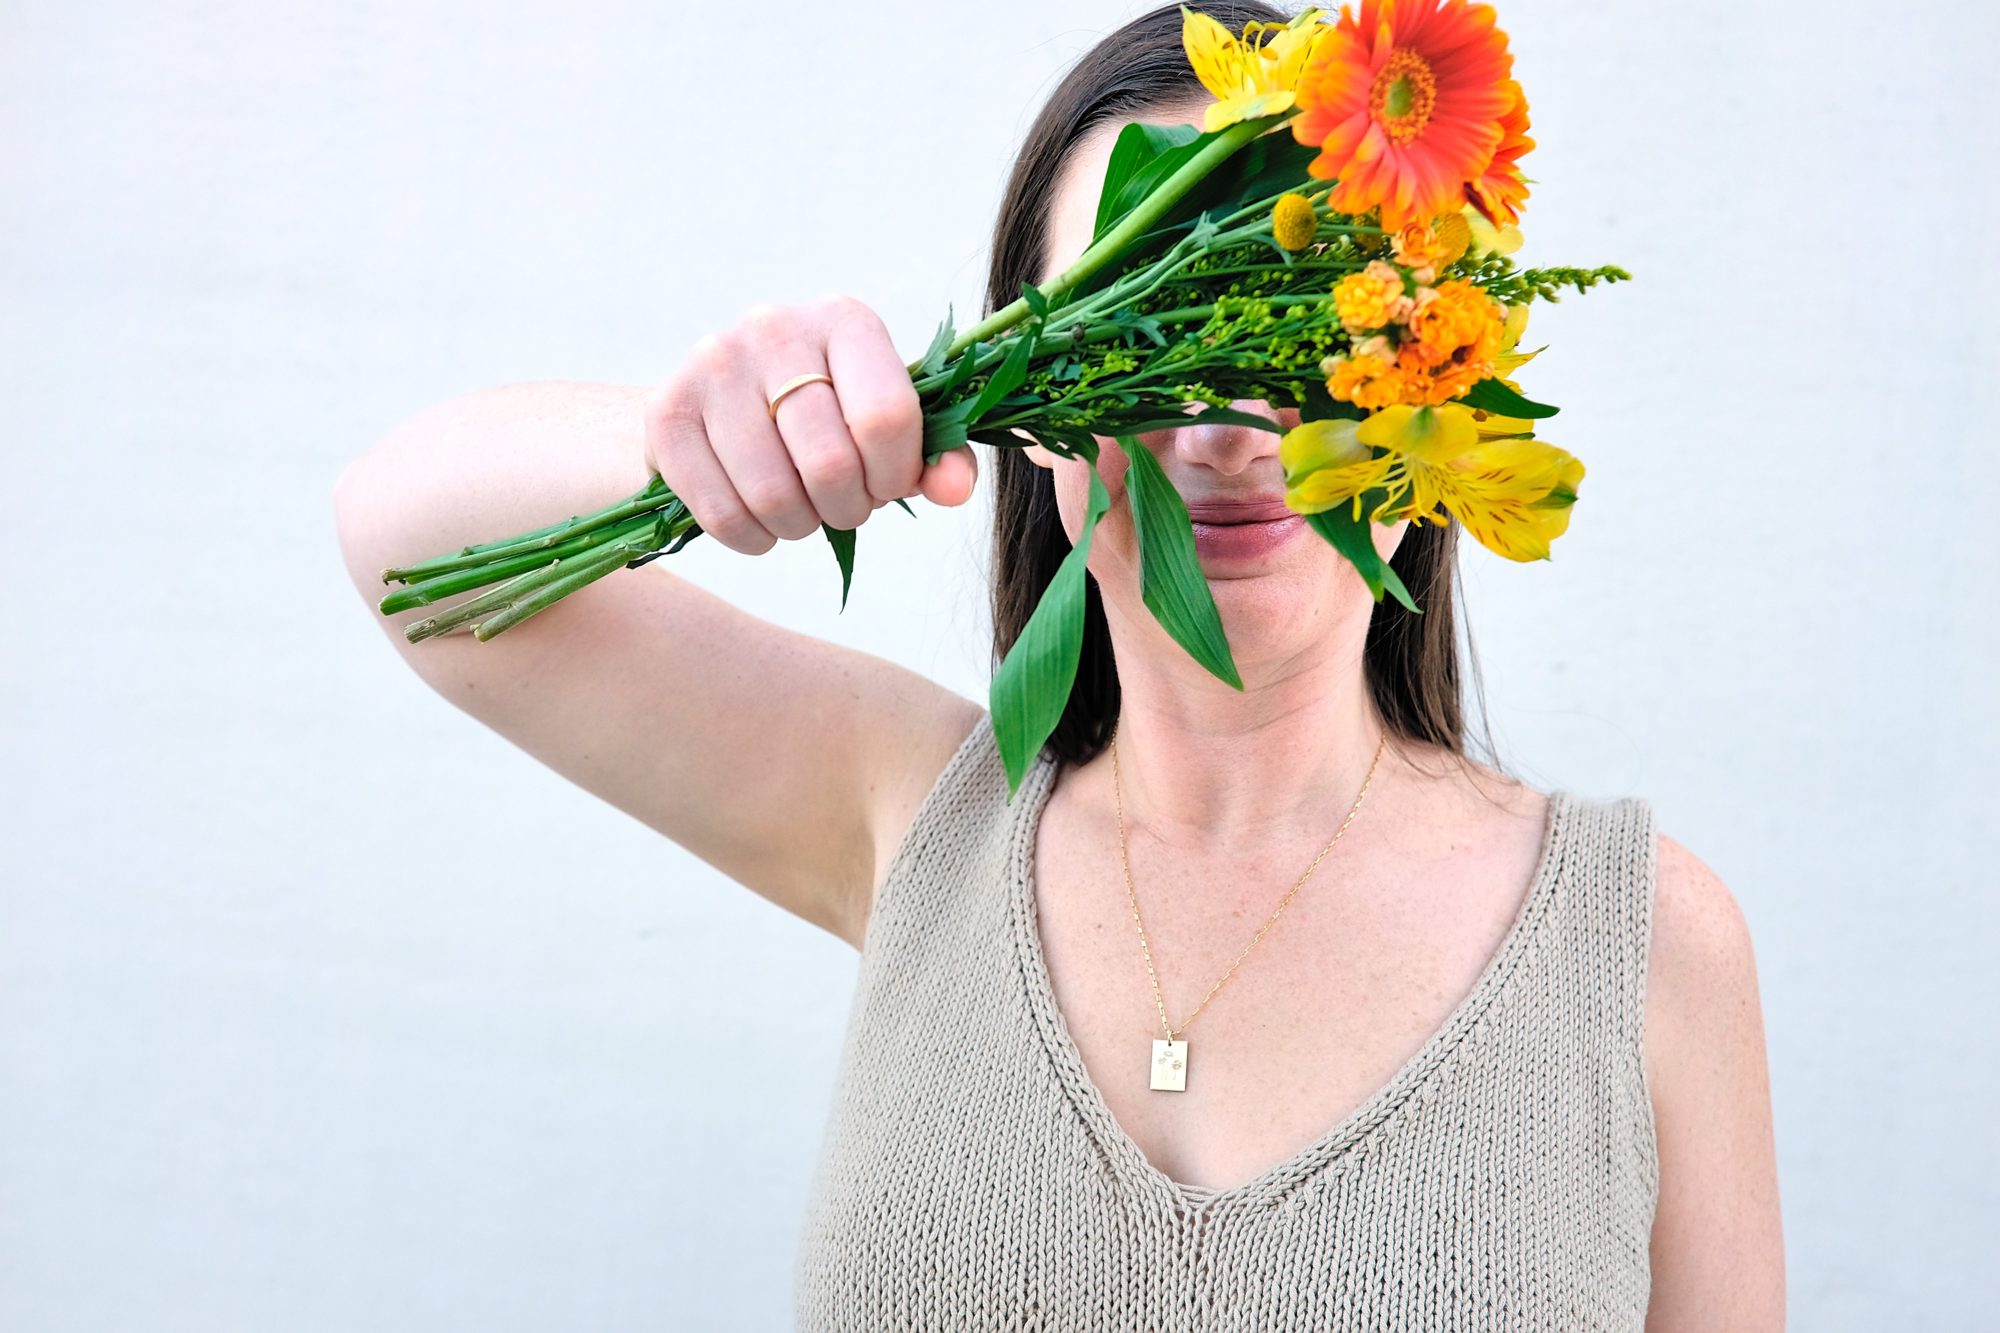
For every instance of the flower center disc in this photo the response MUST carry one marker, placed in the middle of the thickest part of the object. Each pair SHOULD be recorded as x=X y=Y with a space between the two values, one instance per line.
x=1403 y=95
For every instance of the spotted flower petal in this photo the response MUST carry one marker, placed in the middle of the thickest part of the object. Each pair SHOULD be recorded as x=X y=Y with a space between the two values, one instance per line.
x=1252 y=75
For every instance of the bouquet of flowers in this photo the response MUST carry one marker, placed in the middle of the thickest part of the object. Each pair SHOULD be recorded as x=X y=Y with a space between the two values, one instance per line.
x=1334 y=238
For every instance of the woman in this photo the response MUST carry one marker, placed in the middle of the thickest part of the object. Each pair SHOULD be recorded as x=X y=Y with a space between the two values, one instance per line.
x=1498 y=1063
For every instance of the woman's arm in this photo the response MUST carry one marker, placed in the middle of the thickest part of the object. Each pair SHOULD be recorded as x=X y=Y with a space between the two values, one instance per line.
x=789 y=763
x=1718 y=1254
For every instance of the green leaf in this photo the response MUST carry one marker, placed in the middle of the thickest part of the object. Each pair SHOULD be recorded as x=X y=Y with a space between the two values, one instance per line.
x=1131 y=322
x=963 y=368
x=945 y=430
x=1138 y=146
x=1149 y=176
x=1493 y=396
x=933 y=360
x=1007 y=376
x=1268 y=164
x=1032 y=686
x=842 y=540
x=1038 y=302
x=906 y=508
x=1139 y=426
x=1352 y=538
x=1170 y=579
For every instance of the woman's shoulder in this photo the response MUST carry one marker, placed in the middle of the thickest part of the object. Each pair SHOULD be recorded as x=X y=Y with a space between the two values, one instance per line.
x=1708 y=1080
x=1703 y=971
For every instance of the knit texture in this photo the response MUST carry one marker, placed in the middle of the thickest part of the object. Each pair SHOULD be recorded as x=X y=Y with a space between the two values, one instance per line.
x=972 y=1176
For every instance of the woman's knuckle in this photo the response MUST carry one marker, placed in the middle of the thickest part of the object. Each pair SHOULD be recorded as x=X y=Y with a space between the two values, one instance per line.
x=829 y=466
x=839 y=307
x=766 y=494
x=883 y=424
x=709 y=350
x=733 y=526
x=763 y=319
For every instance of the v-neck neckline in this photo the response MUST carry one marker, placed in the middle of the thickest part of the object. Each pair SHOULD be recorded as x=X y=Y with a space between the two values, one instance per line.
x=1274 y=1183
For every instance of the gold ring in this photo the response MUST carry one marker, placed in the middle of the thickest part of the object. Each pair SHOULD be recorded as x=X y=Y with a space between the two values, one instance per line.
x=796 y=382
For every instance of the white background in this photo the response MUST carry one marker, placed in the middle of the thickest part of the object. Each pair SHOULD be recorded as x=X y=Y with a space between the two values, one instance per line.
x=321 y=1007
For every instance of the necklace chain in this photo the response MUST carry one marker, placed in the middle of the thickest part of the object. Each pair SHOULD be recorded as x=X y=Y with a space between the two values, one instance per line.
x=1132 y=896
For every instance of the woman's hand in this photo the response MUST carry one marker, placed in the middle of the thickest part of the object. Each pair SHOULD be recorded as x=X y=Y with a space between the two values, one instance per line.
x=835 y=454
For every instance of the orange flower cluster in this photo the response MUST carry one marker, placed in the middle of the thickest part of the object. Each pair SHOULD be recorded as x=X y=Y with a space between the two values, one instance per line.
x=1415 y=112
x=1414 y=343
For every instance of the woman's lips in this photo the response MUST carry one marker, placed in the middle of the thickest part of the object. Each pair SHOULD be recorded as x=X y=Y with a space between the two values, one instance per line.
x=1246 y=510
x=1245 y=541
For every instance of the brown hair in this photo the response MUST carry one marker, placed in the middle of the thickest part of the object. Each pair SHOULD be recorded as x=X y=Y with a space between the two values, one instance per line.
x=1411 y=662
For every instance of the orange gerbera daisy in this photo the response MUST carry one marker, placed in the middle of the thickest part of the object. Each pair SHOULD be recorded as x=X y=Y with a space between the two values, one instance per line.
x=1405 y=103
x=1500 y=190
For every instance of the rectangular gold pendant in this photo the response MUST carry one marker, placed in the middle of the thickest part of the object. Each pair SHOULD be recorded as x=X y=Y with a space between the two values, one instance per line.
x=1169 y=1065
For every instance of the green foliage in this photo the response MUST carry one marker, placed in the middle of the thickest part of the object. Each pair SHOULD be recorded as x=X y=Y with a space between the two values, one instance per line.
x=1353 y=538
x=1170 y=578
x=1495 y=397
x=933 y=358
x=1142 y=157
x=1032 y=686
x=1504 y=283
x=842 y=541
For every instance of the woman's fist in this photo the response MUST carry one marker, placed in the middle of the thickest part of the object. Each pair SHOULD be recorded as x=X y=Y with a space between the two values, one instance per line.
x=835 y=452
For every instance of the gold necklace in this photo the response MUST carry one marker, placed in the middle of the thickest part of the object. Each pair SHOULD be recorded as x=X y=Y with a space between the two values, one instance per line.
x=1170 y=1056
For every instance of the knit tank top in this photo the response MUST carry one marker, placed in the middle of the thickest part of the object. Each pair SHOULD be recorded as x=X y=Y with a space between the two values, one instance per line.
x=972 y=1176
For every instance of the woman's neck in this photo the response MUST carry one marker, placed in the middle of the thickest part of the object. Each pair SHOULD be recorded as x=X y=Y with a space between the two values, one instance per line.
x=1202 y=765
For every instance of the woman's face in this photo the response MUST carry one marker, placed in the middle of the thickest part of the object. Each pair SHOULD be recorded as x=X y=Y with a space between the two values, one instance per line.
x=1278 y=585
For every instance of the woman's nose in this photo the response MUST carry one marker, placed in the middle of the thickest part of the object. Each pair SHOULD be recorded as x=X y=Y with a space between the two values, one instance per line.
x=1230 y=447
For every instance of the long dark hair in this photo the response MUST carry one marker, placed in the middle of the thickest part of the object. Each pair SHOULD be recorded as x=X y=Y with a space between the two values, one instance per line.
x=1411 y=662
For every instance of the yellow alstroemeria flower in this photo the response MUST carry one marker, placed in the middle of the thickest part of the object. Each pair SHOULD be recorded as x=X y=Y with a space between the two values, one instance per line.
x=1512 y=494
x=1252 y=75
x=1314 y=449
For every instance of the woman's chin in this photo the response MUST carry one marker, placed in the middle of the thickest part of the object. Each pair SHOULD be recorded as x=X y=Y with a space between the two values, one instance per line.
x=1273 y=610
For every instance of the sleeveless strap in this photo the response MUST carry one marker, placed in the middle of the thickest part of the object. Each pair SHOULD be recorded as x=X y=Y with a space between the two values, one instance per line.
x=936 y=845
x=1607 y=914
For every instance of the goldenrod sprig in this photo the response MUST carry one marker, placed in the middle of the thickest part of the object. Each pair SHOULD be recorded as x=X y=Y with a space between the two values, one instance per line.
x=1503 y=282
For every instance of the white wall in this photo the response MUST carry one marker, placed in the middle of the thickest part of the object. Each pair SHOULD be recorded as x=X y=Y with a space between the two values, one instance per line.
x=322 y=1008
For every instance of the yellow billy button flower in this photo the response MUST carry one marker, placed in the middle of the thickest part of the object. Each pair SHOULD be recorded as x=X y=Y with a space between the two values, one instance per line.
x=1252 y=75
x=1293 y=222
x=1454 y=237
x=1513 y=495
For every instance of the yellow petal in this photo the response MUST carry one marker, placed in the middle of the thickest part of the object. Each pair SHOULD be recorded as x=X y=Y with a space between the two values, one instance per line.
x=1431 y=435
x=1221 y=115
x=1328 y=487
x=1312 y=446
x=1513 y=496
x=1213 y=53
x=1291 y=48
x=1488 y=239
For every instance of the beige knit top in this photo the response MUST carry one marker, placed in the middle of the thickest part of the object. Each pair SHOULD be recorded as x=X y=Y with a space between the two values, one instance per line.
x=972 y=1176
